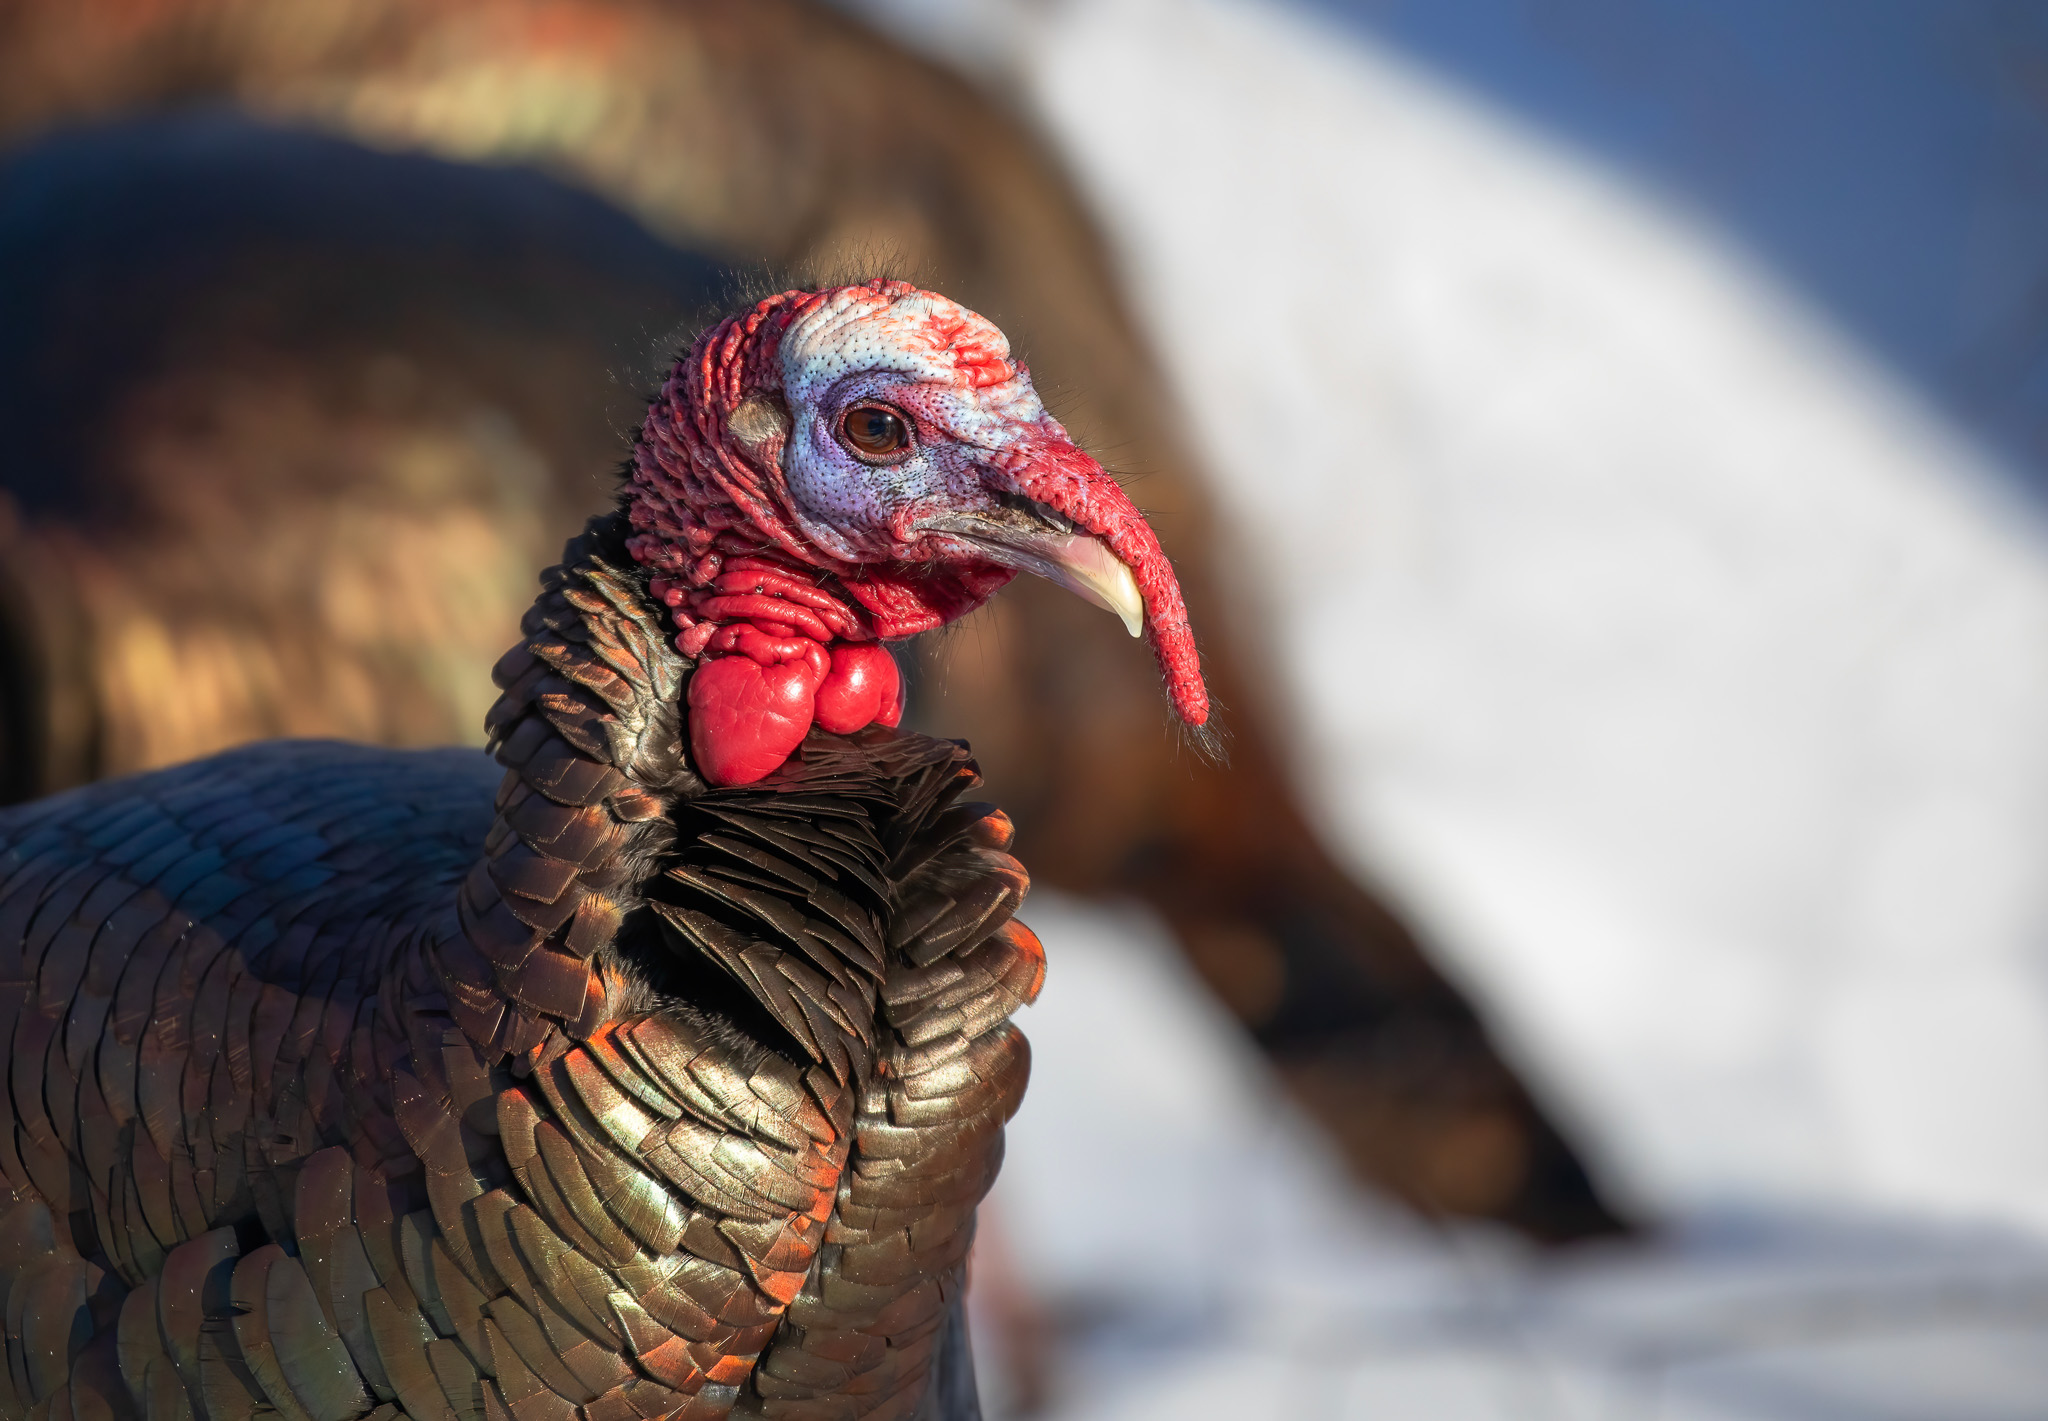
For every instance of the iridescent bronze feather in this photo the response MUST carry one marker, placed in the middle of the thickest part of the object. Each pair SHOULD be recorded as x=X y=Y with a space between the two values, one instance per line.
x=347 y=1082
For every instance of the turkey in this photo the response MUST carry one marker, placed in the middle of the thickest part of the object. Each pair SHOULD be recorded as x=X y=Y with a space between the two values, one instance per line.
x=659 y=1074
x=314 y=278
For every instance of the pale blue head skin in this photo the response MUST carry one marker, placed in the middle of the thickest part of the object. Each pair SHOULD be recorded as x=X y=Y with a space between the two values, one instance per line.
x=947 y=372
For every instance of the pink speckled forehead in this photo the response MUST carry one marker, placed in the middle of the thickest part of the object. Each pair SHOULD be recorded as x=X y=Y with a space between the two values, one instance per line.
x=901 y=330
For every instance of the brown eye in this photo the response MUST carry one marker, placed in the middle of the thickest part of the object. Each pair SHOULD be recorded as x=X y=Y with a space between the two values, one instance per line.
x=875 y=431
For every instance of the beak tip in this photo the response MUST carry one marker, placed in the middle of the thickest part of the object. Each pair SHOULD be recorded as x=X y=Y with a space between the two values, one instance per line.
x=1086 y=565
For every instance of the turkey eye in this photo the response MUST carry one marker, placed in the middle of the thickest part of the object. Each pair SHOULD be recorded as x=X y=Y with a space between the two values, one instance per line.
x=875 y=431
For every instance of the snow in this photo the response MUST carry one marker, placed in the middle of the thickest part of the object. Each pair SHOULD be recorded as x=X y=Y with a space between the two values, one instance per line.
x=1698 y=672
x=1257 y=1283
x=1694 y=712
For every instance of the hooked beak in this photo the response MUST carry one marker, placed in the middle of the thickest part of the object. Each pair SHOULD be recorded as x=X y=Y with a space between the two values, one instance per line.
x=1040 y=542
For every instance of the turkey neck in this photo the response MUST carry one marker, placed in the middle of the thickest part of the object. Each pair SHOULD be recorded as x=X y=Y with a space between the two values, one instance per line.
x=589 y=729
x=671 y=1009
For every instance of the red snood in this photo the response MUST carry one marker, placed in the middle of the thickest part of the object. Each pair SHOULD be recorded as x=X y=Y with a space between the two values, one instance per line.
x=777 y=652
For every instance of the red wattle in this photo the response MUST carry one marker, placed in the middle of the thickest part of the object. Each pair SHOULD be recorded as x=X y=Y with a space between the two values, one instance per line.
x=891 y=713
x=746 y=719
x=861 y=687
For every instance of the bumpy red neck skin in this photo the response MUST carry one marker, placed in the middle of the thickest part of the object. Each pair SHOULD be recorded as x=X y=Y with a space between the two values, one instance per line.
x=785 y=615
x=777 y=653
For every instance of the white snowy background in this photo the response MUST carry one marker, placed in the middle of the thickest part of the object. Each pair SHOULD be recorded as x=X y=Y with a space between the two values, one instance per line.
x=1696 y=707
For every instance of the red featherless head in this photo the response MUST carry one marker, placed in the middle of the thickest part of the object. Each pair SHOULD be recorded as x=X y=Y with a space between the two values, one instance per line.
x=869 y=462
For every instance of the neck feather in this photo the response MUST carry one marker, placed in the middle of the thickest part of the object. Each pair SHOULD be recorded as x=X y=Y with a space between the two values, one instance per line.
x=586 y=858
x=589 y=729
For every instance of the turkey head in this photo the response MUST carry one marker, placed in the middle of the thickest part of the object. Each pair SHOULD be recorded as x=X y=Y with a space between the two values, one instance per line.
x=832 y=470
